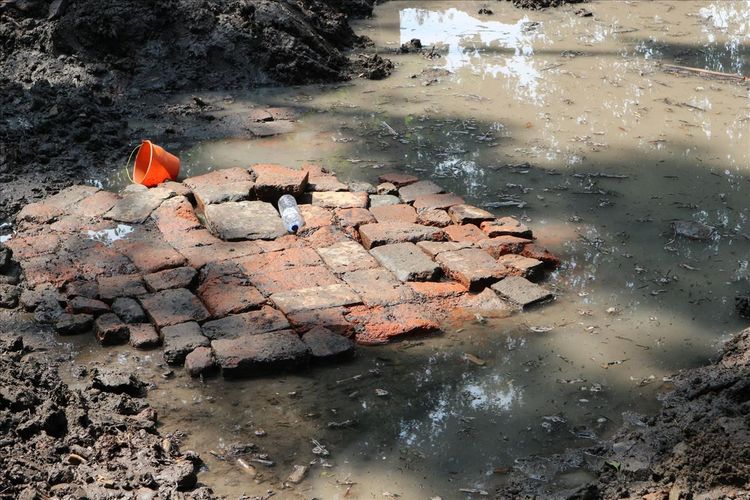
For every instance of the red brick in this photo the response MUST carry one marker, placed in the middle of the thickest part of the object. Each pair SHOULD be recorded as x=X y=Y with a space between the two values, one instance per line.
x=319 y=297
x=190 y=238
x=113 y=287
x=332 y=318
x=225 y=295
x=503 y=245
x=110 y=330
x=32 y=246
x=339 y=199
x=420 y=188
x=378 y=286
x=264 y=320
x=465 y=233
x=150 y=254
x=398 y=180
x=379 y=324
x=272 y=181
x=252 y=355
x=327 y=346
x=518 y=265
x=199 y=256
x=315 y=217
x=473 y=267
x=174 y=217
x=283 y=243
x=521 y=292
x=397 y=232
x=56 y=205
x=535 y=252
x=436 y=201
x=395 y=213
x=469 y=214
x=431 y=290
x=279 y=261
x=244 y=220
x=346 y=256
x=293 y=279
x=433 y=248
x=180 y=277
x=144 y=336
x=95 y=205
x=434 y=217
x=171 y=307
x=354 y=217
x=200 y=362
x=230 y=184
x=505 y=226
x=325 y=237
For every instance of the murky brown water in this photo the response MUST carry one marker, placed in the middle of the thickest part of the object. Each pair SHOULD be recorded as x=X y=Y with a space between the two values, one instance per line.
x=568 y=123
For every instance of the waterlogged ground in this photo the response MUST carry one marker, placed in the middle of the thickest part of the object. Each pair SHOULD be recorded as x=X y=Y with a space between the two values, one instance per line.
x=567 y=122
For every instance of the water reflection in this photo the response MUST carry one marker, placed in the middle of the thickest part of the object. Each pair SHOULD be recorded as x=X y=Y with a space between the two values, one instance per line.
x=109 y=236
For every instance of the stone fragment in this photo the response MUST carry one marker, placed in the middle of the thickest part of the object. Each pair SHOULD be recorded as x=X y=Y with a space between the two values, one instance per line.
x=110 y=330
x=378 y=286
x=244 y=220
x=536 y=252
x=465 y=233
x=170 y=307
x=433 y=248
x=144 y=336
x=395 y=213
x=361 y=187
x=436 y=217
x=503 y=245
x=436 y=290
x=437 y=201
x=469 y=214
x=472 y=267
x=412 y=191
x=71 y=324
x=117 y=381
x=179 y=277
x=87 y=306
x=346 y=256
x=9 y=295
x=505 y=226
x=48 y=310
x=379 y=324
x=5 y=257
x=297 y=277
x=327 y=346
x=56 y=205
x=272 y=181
x=378 y=200
x=180 y=340
x=354 y=217
x=320 y=297
x=267 y=319
x=407 y=262
x=398 y=180
x=386 y=188
x=150 y=253
x=252 y=355
x=315 y=217
x=95 y=205
x=488 y=303
x=339 y=199
x=135 y=207
x=385 y=233
x=128 y=285
x=200 y=362
x=219 y=186
x=518 y=265
x=226 y=295
x=521 y=292
x=298 y=474
x=129 y=310
x=332 y=318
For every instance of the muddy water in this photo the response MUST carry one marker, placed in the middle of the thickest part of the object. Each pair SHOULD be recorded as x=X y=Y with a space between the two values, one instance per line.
x=567 y=122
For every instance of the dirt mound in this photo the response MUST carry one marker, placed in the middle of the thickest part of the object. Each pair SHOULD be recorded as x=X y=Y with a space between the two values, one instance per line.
x=697 y=446
x=100 y=442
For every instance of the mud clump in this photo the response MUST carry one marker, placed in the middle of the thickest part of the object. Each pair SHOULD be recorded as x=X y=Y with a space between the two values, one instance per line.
x=697 y=446
x=97 y=442
x=542 y=4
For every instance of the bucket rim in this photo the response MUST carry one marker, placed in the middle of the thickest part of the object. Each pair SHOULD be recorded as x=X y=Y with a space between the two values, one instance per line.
x=150 y=160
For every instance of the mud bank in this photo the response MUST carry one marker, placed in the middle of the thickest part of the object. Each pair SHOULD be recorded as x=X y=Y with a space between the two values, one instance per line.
x=696 y=447
x=73 y=75
x=98 y=442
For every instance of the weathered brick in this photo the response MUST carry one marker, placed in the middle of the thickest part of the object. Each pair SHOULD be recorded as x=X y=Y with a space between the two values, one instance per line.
x=321 y=297
x=87 y=306
x=465 y=233
x=379 y=324
x=518 y=265
x=144 y=336
x=332 y=318
x=170 y=307
x=315 y=217
x=180 y=340
x=354 y=217
x=136 y=207
x=505 y=226
x=110 y=330
x=129 y=310
x=395 y=213
x=433 y=248
x=346 y=256
x=283 y=260
x=412 y=191
x=377 y=234
x=325 y=182
x=383 y=200
x=129 y=285
x=272 y=181
x=407 y=262
x=149 y=253
x=503 y=245
x=378 y=286
x=71 y=324
x=200 y=362
x=338 y=199
x=252 y=355
x=521 y=292
x=95 y=205
x=472 y=267
x=179 y=277
x=437 y=290
x=536 y=252
x=199 y=256
x=294 y=279
x=437 y=201
x=469 y=214
x=386 y=188
x=398 y=180
x=56 y=205
x=174 y=217
x=226 y=295
x=487 y=302
x=244 y=220
x=283 y=243
x=219 y=186
x=326 y=346
x=267 y=319
x=26 y=247
x=361 y=187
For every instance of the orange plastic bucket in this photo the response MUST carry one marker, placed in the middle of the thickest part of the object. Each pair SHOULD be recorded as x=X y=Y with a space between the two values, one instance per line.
x=154 y=165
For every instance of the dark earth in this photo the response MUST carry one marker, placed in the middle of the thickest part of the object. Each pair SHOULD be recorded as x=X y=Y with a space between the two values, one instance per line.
x=72 y=77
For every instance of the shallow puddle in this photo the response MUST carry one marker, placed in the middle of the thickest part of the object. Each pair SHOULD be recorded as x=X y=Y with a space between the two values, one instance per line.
x=567 y=122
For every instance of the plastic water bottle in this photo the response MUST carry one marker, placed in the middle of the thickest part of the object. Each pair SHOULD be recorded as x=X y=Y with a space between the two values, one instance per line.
x=290 y=213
